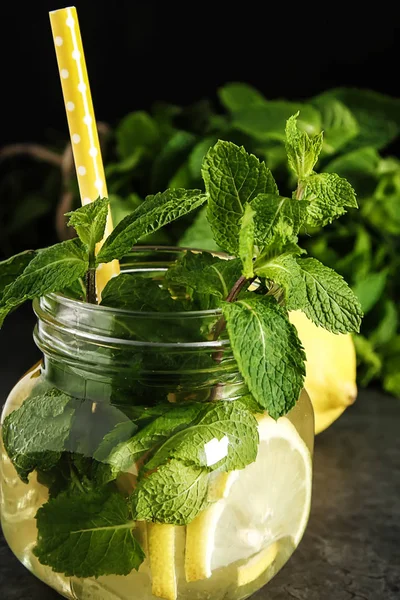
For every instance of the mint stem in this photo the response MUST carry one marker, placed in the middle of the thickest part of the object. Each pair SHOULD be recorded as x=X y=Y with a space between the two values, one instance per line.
x=237 y=288
x=220 y=326
x=299 y=191
x=231 y=297
x=75 y=478
x=91 y=295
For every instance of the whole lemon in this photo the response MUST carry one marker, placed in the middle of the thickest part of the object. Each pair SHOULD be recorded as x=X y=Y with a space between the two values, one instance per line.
x=330 y=370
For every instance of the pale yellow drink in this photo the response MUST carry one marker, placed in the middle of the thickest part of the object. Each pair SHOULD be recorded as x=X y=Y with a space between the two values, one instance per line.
x=20 y=502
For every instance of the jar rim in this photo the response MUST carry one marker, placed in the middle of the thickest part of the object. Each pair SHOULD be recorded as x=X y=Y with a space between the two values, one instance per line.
x=60 y=315
x=71 y=303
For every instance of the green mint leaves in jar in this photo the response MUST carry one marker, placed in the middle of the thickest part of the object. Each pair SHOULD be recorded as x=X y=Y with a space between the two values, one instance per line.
x=110 y=462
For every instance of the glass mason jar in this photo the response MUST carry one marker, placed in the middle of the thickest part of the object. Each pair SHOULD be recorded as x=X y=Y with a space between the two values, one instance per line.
x=121 y=366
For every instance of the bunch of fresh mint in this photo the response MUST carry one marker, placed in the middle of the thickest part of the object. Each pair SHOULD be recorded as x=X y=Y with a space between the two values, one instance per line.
x=87 y=526
x=165 y=147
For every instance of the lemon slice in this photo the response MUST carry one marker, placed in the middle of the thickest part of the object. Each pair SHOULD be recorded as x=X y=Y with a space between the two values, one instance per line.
x=220 y=485
x=161 y=545
x=256 y=565
x=263 y=503
x=200 y=543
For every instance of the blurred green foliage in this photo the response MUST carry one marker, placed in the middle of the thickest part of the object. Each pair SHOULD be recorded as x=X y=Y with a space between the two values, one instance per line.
x=150 y=151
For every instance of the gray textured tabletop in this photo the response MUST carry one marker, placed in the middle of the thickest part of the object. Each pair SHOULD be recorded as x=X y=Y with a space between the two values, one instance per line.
x=351 y=549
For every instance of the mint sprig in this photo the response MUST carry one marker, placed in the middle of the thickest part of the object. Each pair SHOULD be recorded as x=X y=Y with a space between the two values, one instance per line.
x=232 y=178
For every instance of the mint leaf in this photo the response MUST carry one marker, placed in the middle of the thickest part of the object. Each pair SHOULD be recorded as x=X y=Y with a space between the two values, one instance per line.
x=133 y=292
x=126 y=165
x=235 y=96
x=90 y=427
x=268 y=352
x=173 y=484
x=11 y=268
x=75 y=473
x=89 y=221
x=382 y=210
x=277 y=219
x=224 y=436
x=378 y=116
x=137 y=130
x=205 y=273
x=246 y=241
x=357 y=262
x=370 y=289
x=51 y=270
x=327 y=195
x=250 y=403
x=321 y=293
x=338 y=122
x=232 y=178
x=3 y=313
x=387 y=326
x=125 y=453
x=155 y=212
x=267 y=121
x=146 y=296
x=199 y=234
x=391 y=358
x=87 y=535
x=391 y=383
x=121 y=433
x=76 y=291
x=368 y=358
x=284 y=271
x=171 y=157
x=330 y=302
x=196 y=157
x=174 y=494
x=35 y=434
x=302 y=150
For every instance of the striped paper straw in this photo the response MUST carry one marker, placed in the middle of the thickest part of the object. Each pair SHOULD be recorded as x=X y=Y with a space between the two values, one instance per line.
x=81 y=119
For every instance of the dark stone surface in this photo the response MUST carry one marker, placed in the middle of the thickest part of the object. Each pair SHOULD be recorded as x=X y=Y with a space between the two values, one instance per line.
x=351 y=549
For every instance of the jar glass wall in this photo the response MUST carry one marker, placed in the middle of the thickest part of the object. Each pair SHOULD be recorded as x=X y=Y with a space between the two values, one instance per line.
x=106 y=370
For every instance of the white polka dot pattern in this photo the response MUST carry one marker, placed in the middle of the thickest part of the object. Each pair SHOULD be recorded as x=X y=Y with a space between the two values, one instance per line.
x=80 y=116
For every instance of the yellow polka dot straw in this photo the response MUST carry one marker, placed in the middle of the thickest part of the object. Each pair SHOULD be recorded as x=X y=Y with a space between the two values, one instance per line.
x=81 y=119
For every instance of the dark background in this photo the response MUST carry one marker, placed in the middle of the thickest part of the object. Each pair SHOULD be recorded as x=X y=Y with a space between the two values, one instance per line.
x=138 y=52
